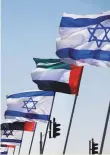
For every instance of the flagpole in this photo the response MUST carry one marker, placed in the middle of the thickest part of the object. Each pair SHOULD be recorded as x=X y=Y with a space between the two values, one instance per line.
x=13 y=150
x=105 y=129
x=32 y=139
x=48 y=124
x=40 y=142
x=7 y=150
x=70 y=124
x=21 y=143
x=71 y=118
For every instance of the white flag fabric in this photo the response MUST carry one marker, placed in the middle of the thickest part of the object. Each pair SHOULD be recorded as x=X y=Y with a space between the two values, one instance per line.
x=55 y=75
x=11 y=137
x=84 y=39
x=4 y=150
x=30 y=105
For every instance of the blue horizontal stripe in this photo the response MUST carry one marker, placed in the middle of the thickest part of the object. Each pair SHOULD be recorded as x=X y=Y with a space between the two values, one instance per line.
x=82 y=22
x=11 y=140
x=32 y=93
x=83 y=54
x=27 y=115
x=5 y=152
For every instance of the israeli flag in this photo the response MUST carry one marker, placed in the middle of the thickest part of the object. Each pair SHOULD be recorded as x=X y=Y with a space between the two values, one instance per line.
x=4 y=150
x=29 y=106
x=84 y=39
x=11 y=137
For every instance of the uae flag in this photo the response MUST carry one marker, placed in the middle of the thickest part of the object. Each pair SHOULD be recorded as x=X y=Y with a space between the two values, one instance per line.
x=55 y=75
x=9 y=146
x=26 y=126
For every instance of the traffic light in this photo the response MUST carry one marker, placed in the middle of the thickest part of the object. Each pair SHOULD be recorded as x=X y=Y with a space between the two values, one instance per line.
x=56 y=128
x=94 y=147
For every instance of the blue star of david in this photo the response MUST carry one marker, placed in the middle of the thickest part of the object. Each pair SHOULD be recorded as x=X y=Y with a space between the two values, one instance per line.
x=27 y=106
x=7 y=133
x=105 y=38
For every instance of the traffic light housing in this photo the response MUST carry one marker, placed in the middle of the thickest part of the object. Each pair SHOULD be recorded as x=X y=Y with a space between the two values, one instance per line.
x=56 y=128
x=94 y=147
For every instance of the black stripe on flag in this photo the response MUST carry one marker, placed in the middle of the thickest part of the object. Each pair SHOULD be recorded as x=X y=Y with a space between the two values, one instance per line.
x=55 y=86
x=13 y=126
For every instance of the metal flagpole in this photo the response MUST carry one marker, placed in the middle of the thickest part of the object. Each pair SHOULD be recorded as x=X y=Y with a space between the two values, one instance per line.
x=89 y=147
x=105 y=129
x=14 y=150
x=74 y=104
x=32 y=139
x=40 y=142
x=21 y=143
x=48 y=125
x=70 y=124
x=7 y=150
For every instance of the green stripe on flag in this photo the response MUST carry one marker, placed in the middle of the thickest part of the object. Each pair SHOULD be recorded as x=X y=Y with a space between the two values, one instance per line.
x=51 y=64
x=38 y=60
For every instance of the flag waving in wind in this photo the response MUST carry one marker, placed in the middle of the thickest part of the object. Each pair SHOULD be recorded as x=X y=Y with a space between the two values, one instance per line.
x=26 y=126
x=85 y=39
x=12 y=132
x=4 y=149
x=11 y=137
x=9 y=146
x=54 y=75
x=29 y=106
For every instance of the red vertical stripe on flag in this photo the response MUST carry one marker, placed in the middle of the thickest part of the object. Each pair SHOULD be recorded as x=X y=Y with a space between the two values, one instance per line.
x=29 y=126
x=74 y=79
x=11 y=146
x=6 y=145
